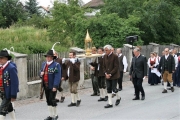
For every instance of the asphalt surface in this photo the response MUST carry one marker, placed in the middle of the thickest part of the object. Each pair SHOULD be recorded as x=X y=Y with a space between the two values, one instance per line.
x=156 y=106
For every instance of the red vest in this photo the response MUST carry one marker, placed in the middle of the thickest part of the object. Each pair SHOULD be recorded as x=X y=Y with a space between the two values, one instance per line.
x=45 y=78
x=152 y=62
x=1 y=78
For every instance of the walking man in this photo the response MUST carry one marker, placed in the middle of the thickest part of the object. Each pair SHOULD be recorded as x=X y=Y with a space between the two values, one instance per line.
x=73 y=74
x=51 y=75
x=101 y=77
x=8 y=85
x=167 y=63
x=93 y=70
x=138 y=71
x=111 y=71
x=122 y=66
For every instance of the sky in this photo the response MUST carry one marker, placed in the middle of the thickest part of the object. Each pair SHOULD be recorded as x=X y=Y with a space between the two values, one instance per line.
x=49 y=2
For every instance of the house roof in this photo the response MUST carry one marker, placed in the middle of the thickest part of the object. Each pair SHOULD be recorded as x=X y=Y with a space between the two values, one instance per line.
x=94 y=3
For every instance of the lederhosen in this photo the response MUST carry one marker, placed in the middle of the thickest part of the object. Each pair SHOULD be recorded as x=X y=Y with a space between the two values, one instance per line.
x=6 y=105
x=50 y=95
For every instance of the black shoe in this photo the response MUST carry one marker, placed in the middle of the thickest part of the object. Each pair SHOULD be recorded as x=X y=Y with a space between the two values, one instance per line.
x=120 y=89
x=136 y=98
x=94 y=94
x=72 y=104
x=143 y=97
x=48 y=118
x=164 y=91
x=78 y=103
x=57 y=100
x=106 y=98
x=172 y=89
x=55 y=118
x=108 y=106
x=62 y=99
x=118 y=101
x=101 y=99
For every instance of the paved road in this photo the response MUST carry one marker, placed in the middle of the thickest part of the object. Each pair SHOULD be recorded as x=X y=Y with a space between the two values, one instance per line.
x=156 y=106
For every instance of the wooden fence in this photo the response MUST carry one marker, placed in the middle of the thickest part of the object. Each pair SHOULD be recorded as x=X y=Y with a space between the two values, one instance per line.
x=34 y=61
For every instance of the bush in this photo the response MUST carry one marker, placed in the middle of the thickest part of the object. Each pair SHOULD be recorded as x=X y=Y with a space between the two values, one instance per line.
x=27 y=40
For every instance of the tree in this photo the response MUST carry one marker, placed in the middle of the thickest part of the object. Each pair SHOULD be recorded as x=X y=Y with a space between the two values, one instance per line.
x=62 y=27
x=10 y=12
x=123 y=8
x=159 y=22
x=32 y=7
x=106 y=29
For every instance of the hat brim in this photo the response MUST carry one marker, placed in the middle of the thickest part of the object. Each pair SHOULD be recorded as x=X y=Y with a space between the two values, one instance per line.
x=54 y=57
x=9 y=57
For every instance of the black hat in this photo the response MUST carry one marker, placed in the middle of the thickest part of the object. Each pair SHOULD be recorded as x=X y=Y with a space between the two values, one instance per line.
x=50 y=53
x=4 y=53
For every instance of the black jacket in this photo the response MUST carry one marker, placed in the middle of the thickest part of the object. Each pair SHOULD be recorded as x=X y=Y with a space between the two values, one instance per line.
x=171 y=64
x=138 y=67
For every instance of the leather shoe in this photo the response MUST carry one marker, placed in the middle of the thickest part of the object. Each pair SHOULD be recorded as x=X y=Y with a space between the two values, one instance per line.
x=143 y=97
x=78 y=103
x=55 y=118
x=118 y=101
x=62 y=99
x=135 y=98
x=164 y=91
x=106 y=98
x=108 y=106
x=72 y=104
x=48 y=118
x=101 y=99
x=57 y=100
x=94 y=94
x=172 y=89
x=120 y=89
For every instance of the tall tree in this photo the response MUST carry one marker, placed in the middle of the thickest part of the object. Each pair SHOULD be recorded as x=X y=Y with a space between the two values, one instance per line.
x=32 y=7
x=122 y=7
x=62 y=27
x=159 y=22
x=10 y=12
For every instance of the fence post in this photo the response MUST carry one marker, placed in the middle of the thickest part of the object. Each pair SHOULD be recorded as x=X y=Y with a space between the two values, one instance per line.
x=155 y=47
x=21 y=62
x=174 y=46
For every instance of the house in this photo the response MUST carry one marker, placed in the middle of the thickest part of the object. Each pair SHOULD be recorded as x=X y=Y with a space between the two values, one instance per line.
x=95 y=5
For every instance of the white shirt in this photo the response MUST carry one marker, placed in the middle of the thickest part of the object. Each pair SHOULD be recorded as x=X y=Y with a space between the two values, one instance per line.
x=166 y=56
x=4 y=65
x=176 y=60
x=49 y=62
x=124 y=60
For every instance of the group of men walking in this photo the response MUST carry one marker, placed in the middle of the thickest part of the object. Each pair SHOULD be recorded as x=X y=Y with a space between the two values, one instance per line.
x=106 y=73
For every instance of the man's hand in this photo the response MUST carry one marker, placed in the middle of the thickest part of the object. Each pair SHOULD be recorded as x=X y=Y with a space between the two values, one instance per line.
x=54 y=89
x=108 y=76
x=42 y=73
x=92 y=68
x=62 y=78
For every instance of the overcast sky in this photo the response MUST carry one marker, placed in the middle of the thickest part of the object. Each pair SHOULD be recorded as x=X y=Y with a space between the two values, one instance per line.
x=49 y=2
